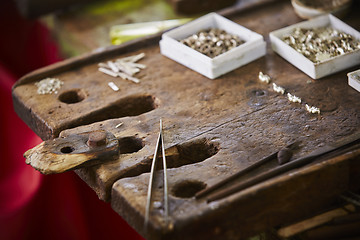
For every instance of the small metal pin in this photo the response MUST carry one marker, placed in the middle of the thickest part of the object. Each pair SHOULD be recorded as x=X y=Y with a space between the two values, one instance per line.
x=108 y=72
x=127 y=77
x=113 y=86
x=113 y=67
x=123 y=67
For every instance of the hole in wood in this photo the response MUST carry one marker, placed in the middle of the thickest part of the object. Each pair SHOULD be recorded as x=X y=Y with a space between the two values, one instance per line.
x=187 y=188
x=258 y=92
x=130 y=145
x=67 y=149
x=193 y=152
x=125 y=107
x=72 y=96
x=180 y=155
x=129 y=106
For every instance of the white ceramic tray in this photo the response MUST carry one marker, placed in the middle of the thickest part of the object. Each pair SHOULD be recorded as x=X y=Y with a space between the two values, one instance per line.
x=321 y=69
x=354 y=79
x=253 y=48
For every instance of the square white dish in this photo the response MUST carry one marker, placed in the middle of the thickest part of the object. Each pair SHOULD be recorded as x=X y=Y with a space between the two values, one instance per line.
x=253 y=48
x=324 y=68
x=354 y=79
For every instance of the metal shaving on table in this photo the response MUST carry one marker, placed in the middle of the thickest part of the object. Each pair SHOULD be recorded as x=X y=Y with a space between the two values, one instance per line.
x=320 y=44
x=264 y=78
x=125 y=67
x=278 y=89
x=49 y=85
x=292 y=98
x=312 y=109
x=212 y=42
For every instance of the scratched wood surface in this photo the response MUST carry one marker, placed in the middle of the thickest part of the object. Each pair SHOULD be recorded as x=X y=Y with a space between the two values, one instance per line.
x=212 y=128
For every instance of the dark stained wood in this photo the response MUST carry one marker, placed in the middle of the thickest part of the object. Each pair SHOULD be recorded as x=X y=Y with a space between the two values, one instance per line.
x=212 y=129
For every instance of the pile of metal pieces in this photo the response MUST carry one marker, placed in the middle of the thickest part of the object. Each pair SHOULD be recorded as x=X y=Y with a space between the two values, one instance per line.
x=212 y=42
x=125 y=68
x=49 y=85
x=320 y=44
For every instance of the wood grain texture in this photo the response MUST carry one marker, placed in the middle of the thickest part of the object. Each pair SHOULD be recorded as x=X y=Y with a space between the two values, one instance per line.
x=213 y=127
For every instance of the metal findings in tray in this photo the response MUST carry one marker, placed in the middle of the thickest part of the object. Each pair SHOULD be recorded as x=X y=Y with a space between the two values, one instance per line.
x=253 y=47
x=212 y=42
x=321 y=44
x=315 y=56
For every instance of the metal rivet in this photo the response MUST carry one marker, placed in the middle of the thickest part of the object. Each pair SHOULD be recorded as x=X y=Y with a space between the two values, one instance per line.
x=96 y=139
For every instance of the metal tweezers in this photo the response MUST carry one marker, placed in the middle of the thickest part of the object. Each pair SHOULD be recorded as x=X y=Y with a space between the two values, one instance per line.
x=160 y=141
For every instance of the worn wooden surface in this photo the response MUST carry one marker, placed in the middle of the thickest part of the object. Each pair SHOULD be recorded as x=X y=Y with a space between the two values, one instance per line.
x=75 y=151
x=213 y=127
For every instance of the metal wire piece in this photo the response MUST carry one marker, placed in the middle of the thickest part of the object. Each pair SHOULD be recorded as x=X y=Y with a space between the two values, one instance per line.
x=160 y=141
x=123 y=67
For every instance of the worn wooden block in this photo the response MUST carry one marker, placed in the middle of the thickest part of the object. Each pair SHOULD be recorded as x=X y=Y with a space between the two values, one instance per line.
x=283 y=199
x=212 y=129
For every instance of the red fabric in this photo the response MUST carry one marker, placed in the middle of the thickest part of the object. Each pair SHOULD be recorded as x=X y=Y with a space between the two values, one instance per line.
x=32 y=205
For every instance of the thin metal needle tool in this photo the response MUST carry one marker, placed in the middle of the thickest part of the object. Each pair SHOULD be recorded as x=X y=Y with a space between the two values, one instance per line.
x=160 y=141
x=166 y=203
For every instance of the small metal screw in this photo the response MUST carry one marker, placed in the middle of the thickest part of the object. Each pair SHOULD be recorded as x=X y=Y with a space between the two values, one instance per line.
x=96 y=139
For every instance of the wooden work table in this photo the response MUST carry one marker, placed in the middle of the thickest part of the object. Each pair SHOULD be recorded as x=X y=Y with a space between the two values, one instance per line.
x=212 y=129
